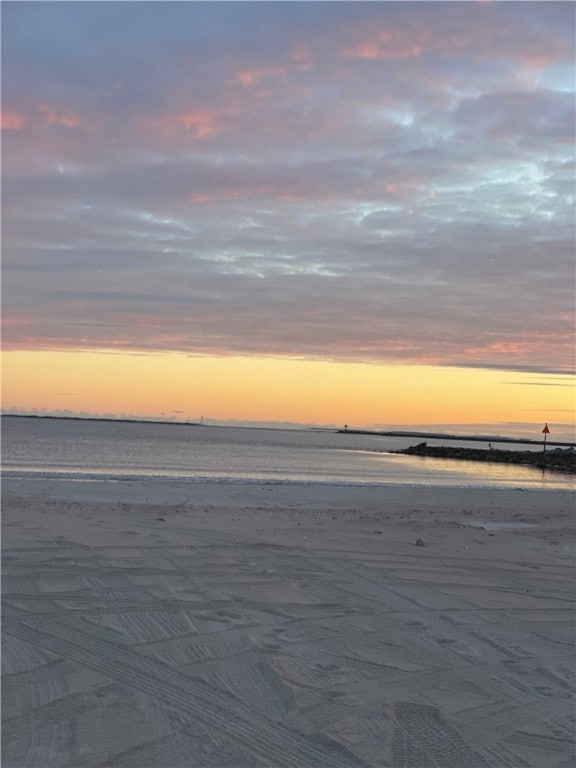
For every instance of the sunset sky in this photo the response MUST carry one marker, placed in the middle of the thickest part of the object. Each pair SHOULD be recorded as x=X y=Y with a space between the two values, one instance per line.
x=290 y=212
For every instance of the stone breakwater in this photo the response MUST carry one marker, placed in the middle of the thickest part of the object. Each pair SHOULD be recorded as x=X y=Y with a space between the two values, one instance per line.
x=556 y=459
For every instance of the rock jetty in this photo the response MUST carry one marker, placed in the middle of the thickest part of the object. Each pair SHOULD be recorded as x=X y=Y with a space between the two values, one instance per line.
x=557 y=459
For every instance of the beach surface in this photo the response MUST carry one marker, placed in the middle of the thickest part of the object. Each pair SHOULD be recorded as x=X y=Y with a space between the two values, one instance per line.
x=209 y=624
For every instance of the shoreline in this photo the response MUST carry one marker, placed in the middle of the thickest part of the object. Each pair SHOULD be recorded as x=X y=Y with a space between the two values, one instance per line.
x=157 y=623
x=269 y=494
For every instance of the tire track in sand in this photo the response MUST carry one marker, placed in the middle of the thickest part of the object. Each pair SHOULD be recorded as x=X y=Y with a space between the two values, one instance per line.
x=193 y=702
x=423 y=739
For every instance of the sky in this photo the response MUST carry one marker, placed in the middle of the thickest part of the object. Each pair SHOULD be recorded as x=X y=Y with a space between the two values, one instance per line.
x=314 y=212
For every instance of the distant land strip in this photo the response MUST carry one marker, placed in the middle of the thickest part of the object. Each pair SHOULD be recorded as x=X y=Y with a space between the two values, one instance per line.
x=112 y=420
x=102 y=418
x=461 y=438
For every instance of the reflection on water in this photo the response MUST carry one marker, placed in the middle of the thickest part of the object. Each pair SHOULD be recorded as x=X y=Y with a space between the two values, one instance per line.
x=499 y=526
x=479 y=473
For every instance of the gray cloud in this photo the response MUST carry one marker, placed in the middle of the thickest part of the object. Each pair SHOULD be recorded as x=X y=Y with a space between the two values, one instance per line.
x=390 y=184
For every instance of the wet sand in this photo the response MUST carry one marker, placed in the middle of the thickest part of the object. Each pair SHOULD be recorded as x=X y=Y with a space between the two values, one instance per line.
x=156 y=624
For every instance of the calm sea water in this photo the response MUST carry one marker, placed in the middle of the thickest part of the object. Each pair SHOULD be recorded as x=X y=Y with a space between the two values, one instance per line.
x=84 y=450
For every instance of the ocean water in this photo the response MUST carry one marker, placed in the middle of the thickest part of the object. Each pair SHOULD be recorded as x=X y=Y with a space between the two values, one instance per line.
x=115 y=451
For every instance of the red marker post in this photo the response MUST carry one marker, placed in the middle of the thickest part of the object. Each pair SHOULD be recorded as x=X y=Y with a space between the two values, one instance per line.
x=545 y=432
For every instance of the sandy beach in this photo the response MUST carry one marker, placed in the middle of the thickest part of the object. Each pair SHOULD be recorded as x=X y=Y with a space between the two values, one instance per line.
x=162 y=624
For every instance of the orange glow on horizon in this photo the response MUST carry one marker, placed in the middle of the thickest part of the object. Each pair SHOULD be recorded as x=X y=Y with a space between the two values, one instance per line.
x=184 y=387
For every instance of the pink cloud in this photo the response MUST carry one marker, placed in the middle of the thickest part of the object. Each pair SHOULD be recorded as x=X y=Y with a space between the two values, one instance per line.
x=199 y=198
x=12 y=121
x=203 y=123
x=19 y=332
x=52 y=117
x=200 y=123
x=301 y=56
x=246 y=78
x=540 y=347
x=388 y=45
x=250 y=78
x=477 y=30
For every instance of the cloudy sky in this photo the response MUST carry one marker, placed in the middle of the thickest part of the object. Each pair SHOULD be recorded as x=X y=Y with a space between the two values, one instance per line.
x=371 y=182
